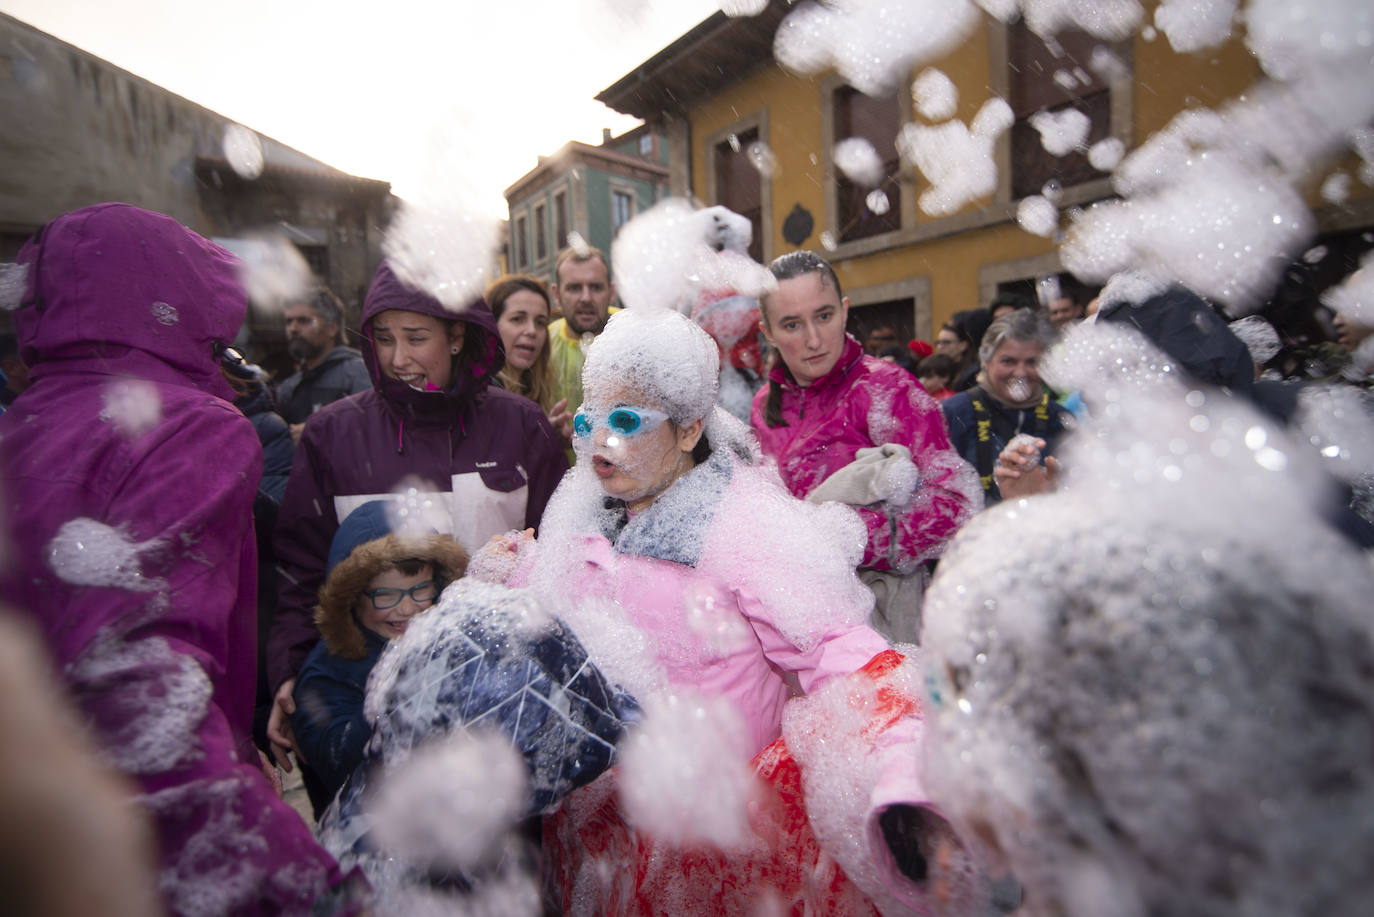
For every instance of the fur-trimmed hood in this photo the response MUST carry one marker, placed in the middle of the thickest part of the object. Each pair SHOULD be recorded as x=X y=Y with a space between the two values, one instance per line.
x=343 y=635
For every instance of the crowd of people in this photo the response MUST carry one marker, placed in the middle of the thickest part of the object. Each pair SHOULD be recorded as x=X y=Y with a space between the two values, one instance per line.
x=232 y=577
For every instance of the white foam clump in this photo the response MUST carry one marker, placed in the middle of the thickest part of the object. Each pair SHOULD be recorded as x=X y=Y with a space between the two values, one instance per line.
x=243 y=151
x=163 y=697
x=1354 y=296
x=935 y=95
x=133 y=406
x=444 y=241
x=1113 y=20
x=1194 y=25
x=1292 y=38
x=831 y=734
x=1221 y=228
x=1038 y=216
x=452 y=801
x=859 y=161
x=1338 y=423
x=743 y=7
x=877 y=202
x=684 y=772
x=1258 y=336
x=873 y=44
x=86 y=552
x=443 y=246
x=956 y=159
x=1336 y=188
x=1061 y=132
x=1105 y=155
x=416 y=509
x=14 y=279
x=762 y=158
x=272 y=270
x=663 y=259
x=1127 y=665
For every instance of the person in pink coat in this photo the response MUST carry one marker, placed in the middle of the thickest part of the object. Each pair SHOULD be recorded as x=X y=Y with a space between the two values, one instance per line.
x=853 y=429
x=698 y=583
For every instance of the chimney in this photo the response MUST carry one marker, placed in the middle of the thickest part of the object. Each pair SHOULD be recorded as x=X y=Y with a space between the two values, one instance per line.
x=605 y=136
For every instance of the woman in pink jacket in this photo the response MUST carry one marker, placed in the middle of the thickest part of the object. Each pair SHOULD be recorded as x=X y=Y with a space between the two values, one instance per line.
x=853 y=429
x=688 y=571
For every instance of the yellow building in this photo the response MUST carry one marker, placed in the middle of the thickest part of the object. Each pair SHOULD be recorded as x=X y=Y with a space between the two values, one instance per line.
x=745 y=133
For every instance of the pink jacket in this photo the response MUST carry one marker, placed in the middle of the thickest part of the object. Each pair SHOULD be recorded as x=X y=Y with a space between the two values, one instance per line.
x=866 y=402
x=741 y=592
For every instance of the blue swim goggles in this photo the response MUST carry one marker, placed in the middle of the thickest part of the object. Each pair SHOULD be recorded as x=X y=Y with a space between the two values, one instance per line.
x=622 y=421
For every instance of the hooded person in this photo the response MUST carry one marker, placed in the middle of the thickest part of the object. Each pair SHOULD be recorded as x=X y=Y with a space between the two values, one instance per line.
x=376 y=580
x=1140 y=700
x=128 y=481
x=432 y=430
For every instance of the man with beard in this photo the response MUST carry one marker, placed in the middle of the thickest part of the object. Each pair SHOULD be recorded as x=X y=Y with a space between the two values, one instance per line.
x=1008 y=399
x=328 y=370
x=583 y=290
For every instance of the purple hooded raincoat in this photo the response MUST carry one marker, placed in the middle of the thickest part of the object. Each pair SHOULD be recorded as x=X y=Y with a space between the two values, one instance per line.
x=128 y=482
x=491 y=457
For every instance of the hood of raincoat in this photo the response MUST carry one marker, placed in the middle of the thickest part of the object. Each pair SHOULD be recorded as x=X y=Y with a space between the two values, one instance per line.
x=1188 y=329
x=116 y=290
x=481 y=358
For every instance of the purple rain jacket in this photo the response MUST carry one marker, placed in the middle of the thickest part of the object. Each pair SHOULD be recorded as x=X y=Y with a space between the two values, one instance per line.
x=128 y=482
x=490 y=455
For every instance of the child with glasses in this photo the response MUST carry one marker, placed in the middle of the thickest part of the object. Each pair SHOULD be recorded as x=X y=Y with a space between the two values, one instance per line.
x=376 y=581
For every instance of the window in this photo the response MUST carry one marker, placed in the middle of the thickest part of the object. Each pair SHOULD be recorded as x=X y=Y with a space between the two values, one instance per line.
x=317 y=257
x=560 y=220
x=646 y=144
x=739 y=186
x=541 y=234
x=622 y=208
x=522 y=248
x=897 y=314
x=1040 y=80
x=877 y=121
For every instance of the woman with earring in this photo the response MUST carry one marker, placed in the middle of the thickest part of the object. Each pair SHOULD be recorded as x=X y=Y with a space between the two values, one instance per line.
x=432 y=422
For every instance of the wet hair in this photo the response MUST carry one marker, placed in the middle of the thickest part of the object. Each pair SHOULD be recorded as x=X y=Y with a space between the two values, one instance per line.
x=535 y=383
x=798 y=264
x=789 y=267
x=1021 y=325
x=579 y=255
x=937 y=364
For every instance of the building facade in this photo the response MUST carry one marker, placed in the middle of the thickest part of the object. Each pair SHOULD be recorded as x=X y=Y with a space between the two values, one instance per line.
x=81 y=131
x=745 y=133
x=590 y=190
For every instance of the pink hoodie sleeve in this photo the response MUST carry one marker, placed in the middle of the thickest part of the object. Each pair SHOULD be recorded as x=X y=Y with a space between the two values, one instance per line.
x=946 y=496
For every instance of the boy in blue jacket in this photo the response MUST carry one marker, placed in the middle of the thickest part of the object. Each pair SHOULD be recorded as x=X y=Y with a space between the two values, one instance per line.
x=375 y=582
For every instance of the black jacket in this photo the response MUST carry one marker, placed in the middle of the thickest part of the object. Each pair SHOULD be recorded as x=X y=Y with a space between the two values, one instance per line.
x=342 y=373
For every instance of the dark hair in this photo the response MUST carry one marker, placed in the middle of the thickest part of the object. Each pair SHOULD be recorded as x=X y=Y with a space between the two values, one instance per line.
x=1015 y=300
x=900 y=354
x=411 y=566
x=502 y=287
x=9 y=346
x=937 y=364
x=789 y=267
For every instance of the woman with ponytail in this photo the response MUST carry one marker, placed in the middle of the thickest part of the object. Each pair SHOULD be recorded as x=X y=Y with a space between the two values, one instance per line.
x=853 y=429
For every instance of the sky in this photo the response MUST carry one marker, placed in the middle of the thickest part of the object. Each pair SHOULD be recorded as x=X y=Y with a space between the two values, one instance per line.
x=413 y=92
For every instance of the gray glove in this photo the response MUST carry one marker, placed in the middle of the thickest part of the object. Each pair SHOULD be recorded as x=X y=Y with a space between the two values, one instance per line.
x=878 y=474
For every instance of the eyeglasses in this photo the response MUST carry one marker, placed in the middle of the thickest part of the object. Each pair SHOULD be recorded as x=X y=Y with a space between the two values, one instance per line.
x=624 y=421
x=420 y=594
